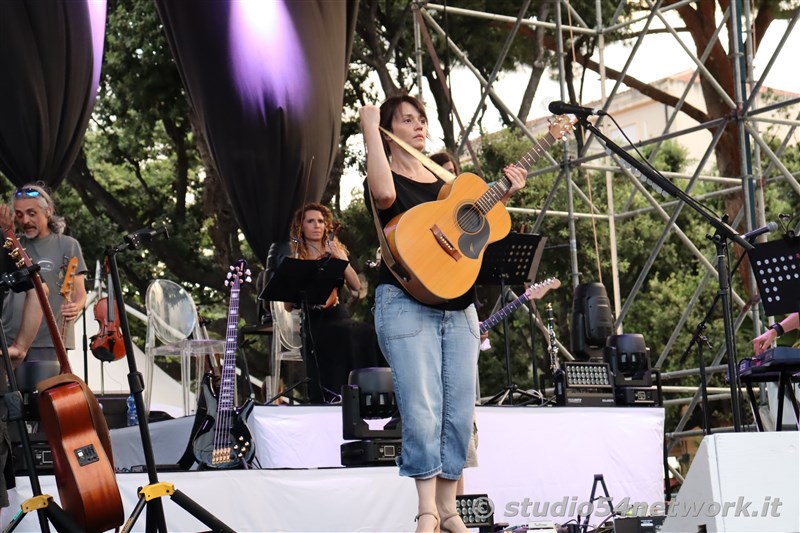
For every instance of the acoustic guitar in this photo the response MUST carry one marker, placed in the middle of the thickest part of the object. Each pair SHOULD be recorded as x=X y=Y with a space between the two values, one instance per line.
x=440 y=244
x=223 y=440
x=67 y=286
x=534 y=292
x=76 y=429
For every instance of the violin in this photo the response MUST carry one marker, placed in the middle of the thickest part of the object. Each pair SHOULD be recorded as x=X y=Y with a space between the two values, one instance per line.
x=108 y=345
x=333 y=299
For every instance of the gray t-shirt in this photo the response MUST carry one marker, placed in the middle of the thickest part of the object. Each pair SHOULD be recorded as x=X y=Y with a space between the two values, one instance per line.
x=52 y=253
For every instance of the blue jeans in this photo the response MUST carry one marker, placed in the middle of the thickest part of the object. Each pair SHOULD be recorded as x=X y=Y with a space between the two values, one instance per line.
x=433 y=355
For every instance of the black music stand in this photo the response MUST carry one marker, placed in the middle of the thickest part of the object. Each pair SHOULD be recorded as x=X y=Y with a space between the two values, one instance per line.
x=307 y=283
x=513 y=260
x=776 y=267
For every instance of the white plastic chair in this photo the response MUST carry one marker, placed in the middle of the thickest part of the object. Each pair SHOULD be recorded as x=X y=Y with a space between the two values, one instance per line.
x=171 y=320
x=287 y=343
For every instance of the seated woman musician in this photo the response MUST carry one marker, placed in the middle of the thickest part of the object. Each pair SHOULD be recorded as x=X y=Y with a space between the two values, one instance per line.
x=338 y=344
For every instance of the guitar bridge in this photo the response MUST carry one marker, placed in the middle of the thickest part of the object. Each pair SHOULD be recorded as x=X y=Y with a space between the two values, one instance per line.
x=445 y=243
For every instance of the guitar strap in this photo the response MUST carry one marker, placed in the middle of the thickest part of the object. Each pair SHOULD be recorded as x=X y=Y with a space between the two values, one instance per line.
x=386 y=254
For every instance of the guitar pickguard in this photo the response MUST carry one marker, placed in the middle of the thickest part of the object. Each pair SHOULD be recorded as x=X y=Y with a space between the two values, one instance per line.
x=473 y=244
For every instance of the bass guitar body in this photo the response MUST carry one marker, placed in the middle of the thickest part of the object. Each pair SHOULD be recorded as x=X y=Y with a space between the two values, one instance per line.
x=87 y=483
x=223 y=440
x=440 y=244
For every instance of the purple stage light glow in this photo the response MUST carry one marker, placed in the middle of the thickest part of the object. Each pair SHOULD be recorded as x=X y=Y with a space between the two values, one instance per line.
x=97 y=18
x=267 y=57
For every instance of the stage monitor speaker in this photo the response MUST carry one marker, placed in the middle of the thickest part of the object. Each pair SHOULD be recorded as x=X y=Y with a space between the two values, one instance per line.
x=592 y=321
x=740 y=482
x=370 y=452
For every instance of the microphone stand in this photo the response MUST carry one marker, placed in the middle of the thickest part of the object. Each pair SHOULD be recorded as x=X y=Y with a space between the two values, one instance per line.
x=149 y=496
x=721 y=236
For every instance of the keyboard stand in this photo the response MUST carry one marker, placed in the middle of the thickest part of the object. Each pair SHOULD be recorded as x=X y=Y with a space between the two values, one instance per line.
x=784 y=377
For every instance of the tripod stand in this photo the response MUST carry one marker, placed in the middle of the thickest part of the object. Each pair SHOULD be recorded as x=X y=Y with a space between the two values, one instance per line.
x=41 y=503
x=150 y=495
x=307 y=283
x=512 y=260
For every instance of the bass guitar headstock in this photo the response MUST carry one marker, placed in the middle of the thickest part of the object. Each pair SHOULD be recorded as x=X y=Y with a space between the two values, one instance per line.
x=239 y=274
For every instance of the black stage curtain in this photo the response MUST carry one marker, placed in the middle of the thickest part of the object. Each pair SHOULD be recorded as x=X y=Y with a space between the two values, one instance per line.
x=50 y=57
x=266 y=79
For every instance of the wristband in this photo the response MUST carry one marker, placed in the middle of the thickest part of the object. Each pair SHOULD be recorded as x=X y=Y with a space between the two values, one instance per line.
x=778 y=329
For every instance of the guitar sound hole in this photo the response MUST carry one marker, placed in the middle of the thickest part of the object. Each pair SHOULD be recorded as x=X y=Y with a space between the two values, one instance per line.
x=470 y=218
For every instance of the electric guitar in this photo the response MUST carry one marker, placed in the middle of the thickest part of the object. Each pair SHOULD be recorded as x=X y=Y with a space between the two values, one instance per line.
x=76 y=429
x=67 y=287
x=440 y=244
x=534 y=292
x=223 y=440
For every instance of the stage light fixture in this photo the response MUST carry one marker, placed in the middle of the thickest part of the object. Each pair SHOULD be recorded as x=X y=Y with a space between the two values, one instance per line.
x=592 y=321
x=629 y=359
x=369 y=395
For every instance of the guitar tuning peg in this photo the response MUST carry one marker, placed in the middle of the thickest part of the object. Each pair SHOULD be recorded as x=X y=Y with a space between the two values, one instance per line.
x=227 y=282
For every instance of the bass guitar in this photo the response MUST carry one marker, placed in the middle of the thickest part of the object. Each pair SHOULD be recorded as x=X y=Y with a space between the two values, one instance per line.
x=534 y=292
x=76 y=429
x=440 y=244
x=67 y=287
x=223 y=440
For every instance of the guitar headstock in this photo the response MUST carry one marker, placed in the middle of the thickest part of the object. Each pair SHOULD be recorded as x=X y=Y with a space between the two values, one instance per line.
x=69 y=278
x=560 y=125
x=15 y=250
x=537 y=291
x=239 y=273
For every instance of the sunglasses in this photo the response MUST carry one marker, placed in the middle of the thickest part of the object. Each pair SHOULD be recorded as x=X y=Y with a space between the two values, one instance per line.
x=30 y=192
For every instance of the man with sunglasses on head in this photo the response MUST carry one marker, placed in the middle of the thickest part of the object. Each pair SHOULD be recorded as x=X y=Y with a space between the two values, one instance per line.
x=43 y=239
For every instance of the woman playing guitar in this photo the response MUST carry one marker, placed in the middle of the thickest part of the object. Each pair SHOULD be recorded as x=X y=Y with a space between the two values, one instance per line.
x=432 y=348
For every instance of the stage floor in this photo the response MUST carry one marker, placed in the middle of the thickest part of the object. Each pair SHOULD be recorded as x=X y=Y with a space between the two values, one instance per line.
x=529 y=458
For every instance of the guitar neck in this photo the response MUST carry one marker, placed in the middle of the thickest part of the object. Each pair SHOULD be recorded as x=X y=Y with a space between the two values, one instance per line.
x=495 y=319
x=496 y=192
x=228 y=374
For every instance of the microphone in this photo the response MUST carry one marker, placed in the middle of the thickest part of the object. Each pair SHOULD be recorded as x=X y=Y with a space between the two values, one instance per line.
x=145 y=235
x=561 y=108
x=752 y=234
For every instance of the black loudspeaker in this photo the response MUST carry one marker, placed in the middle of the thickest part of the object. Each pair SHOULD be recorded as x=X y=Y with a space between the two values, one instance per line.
x=592 y=321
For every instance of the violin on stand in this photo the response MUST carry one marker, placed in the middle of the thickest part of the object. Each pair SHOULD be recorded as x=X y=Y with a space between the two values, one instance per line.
x=107 y=345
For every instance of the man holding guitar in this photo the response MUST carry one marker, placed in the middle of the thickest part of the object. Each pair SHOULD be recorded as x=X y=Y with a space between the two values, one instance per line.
x=29 y=325
x=42 y=237
x=432 y=348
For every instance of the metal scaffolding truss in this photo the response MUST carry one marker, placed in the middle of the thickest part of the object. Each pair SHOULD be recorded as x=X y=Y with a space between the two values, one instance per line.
x=750 y=113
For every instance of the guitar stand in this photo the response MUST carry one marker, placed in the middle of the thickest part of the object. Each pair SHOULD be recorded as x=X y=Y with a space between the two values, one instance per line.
x=43 y=504
x=150 y=495
x=513 y=260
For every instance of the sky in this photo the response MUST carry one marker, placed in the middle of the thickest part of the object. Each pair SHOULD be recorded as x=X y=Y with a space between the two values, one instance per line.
x=660 y=56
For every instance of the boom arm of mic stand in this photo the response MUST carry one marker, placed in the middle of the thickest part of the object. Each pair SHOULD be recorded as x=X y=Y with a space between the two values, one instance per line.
x=667 y=186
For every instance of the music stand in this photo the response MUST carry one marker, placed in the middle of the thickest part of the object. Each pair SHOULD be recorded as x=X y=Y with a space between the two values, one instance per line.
x=776 y=267
x=513 y=260
x=304 y=282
